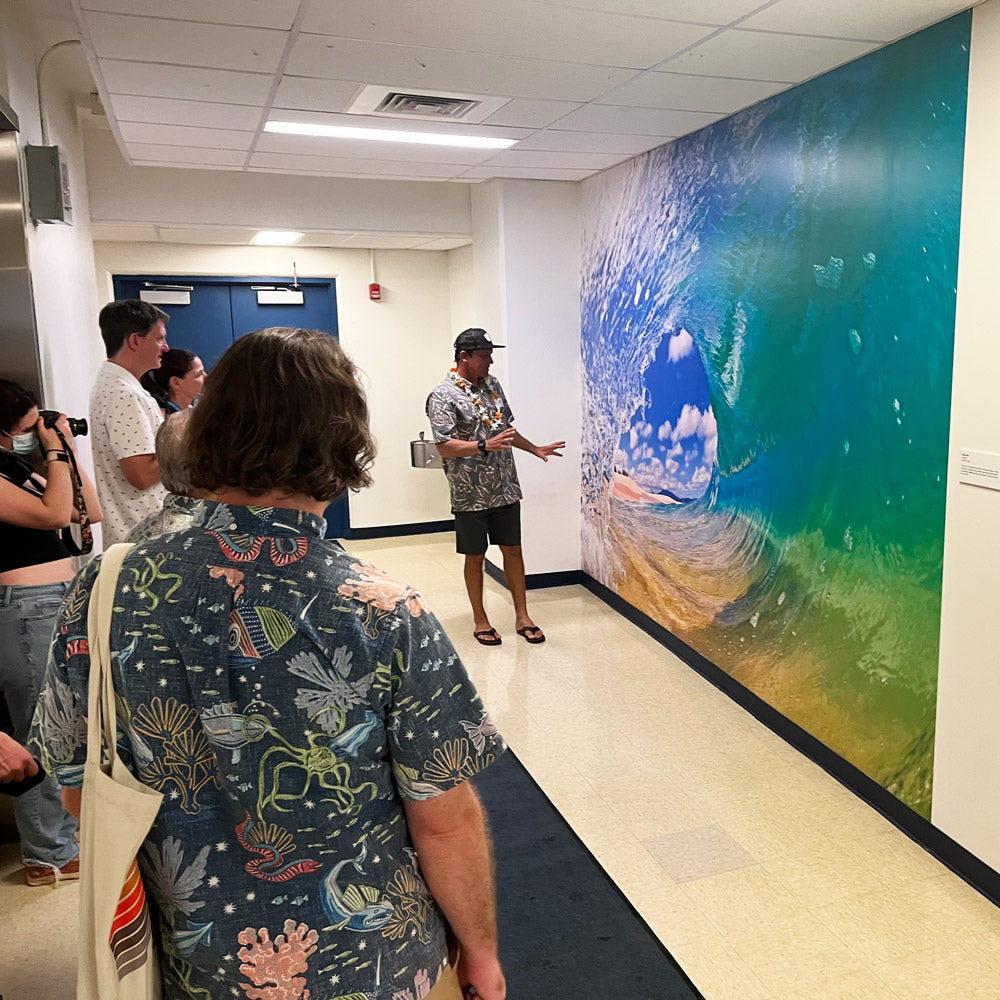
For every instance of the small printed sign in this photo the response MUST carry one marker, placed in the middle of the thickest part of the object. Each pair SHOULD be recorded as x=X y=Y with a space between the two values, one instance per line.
x=980 y=468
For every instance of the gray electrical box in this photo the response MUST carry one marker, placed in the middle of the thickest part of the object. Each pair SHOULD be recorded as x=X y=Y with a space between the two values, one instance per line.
x=48 y=185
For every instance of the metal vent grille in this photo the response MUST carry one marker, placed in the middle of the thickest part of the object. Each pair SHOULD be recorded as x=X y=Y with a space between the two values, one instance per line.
x=425 y=105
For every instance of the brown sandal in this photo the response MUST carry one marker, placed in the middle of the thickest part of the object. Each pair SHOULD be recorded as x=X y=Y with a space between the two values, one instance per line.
x=488 y=637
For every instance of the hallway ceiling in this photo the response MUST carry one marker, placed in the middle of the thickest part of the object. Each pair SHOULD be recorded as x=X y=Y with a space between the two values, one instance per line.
x=580 y=84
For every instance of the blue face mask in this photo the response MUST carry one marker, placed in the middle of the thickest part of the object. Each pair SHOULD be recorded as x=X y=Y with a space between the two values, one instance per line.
x=24 y=444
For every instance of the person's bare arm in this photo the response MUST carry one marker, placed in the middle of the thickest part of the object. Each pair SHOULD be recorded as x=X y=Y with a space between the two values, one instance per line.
x=456 y=448
x=54 y=509
x=141 y=471
x=449 y=833
x=71 y=798
x=542 y=451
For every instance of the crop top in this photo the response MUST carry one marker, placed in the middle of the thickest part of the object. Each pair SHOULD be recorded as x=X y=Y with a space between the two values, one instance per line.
x=19 y=546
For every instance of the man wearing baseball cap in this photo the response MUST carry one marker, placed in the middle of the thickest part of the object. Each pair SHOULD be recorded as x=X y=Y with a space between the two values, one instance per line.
x=474 y=431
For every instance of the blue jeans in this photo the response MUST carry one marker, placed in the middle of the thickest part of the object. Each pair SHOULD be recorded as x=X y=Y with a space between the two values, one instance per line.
x=27 y=617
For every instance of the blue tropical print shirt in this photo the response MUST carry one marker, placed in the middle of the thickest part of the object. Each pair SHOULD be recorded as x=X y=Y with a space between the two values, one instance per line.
x=286 y=698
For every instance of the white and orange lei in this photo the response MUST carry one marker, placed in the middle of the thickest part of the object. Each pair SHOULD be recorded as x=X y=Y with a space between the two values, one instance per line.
x=489 y=416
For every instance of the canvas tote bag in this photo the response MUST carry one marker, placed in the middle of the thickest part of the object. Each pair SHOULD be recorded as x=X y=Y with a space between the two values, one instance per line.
x=117 y=958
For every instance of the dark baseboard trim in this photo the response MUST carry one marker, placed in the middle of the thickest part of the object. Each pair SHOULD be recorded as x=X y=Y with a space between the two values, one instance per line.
x=949 y=852
x=538 y=581
x=394 y=530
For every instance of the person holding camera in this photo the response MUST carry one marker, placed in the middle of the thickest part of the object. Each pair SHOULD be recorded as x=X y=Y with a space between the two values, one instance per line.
x=36 y=568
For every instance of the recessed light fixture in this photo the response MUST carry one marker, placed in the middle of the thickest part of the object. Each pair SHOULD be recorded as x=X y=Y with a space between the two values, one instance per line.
x=275 y=238
x=389 y=135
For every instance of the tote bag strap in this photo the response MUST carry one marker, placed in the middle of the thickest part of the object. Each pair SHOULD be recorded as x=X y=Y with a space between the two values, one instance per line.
x=102 y=721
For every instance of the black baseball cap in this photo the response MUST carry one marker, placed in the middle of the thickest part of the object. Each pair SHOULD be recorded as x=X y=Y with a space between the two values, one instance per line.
x=475 y=339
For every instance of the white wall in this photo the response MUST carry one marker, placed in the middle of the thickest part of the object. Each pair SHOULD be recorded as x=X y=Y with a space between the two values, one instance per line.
x=403 y=345
x=966 y=803
x=526 y=274
x=60 y=256
x=463 y=298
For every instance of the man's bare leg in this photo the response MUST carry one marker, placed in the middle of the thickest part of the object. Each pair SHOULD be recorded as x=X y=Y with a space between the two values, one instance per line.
x=474 y=585
x=513 y=569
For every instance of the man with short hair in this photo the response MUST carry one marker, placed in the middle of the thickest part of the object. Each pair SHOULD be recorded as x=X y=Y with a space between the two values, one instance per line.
x=182 y=501
x=124 y=417
x=474 y=431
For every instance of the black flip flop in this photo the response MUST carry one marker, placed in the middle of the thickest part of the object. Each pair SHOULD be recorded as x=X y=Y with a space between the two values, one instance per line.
x=533 y=639
x=488 y=637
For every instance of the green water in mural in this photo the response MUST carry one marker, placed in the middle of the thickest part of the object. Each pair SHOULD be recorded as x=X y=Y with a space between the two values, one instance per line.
x=809 y=247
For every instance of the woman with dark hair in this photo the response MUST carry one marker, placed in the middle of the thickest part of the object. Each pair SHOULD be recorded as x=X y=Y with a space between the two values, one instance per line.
x=305 y=717
x=178 y=380
x=35 y=572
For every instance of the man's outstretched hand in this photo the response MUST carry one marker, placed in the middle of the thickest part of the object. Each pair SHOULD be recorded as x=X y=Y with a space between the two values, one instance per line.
x=546 y=451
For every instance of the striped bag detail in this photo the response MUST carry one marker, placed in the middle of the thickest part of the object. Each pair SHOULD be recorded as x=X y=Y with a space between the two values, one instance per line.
x=130 y=929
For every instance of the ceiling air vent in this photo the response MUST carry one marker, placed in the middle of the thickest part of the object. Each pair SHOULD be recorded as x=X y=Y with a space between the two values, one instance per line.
x=396 y=102
x=425 y=105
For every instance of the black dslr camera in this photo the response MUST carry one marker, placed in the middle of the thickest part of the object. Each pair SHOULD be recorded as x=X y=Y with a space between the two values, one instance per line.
x=77 y=425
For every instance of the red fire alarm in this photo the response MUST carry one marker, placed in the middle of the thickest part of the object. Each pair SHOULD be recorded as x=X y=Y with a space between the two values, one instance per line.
x=375 y=291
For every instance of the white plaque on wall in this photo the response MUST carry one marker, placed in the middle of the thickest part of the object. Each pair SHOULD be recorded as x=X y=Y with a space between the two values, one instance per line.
x=980 y=468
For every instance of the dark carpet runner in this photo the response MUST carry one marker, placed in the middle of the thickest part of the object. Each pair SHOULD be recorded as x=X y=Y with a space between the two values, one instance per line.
x=566 y=930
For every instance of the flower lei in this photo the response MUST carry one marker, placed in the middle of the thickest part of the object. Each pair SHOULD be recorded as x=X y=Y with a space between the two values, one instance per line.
x=489 y=417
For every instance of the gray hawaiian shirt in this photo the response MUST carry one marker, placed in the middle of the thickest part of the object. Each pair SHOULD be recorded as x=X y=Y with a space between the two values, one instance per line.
x=286 y=698
x=484 y=480
x=176 y=514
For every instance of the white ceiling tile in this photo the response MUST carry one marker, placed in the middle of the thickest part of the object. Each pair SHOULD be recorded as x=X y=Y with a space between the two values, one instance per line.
x=309 y=94
x=522 y=112
x=150 y=39
x=185 y=82
x=202 y=114
x=180 y=135
x=687 y=92
x=252 y=13
x=640 y=121
x=700 y=11
x=398 y=152
x=759 y=55
x=554 y=160
x=534 y=173
x=110 y=232
x=207 y=234
x=413 y=68
x=590 y=142
x=882 y=21
x=513 y=28
x=185 y=156
x=353 y=165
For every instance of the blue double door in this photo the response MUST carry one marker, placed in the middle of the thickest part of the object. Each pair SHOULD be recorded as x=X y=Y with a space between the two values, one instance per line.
x=222 y=309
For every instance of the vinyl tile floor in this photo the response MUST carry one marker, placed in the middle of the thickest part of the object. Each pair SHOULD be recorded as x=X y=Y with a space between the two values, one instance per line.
x=764 y=877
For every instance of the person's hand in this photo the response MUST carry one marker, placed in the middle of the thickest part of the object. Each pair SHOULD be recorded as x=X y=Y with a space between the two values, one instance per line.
x=49 y=439
x=16 y=763
x=546 y=451
x=503 y=441
x=485 y=975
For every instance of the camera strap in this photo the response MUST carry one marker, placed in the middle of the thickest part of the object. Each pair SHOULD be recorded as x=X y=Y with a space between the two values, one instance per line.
x=86 y=532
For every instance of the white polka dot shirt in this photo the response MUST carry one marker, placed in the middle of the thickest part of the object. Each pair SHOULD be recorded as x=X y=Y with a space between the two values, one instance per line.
x=123 y=418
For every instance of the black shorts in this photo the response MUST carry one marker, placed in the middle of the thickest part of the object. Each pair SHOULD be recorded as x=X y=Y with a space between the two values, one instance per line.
x=498 y=525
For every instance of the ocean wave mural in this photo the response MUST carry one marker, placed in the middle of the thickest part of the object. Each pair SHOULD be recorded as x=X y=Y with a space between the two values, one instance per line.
x=768 y=324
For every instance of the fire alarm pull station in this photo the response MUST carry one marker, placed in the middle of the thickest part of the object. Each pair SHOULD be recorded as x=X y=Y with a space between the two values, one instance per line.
x=375 y=292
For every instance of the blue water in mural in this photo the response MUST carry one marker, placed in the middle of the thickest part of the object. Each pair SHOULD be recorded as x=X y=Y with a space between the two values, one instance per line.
x=768 y=326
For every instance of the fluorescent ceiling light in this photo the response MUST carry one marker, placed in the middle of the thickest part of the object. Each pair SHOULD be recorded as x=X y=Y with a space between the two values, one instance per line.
x=272 y=238
x=388 y=135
